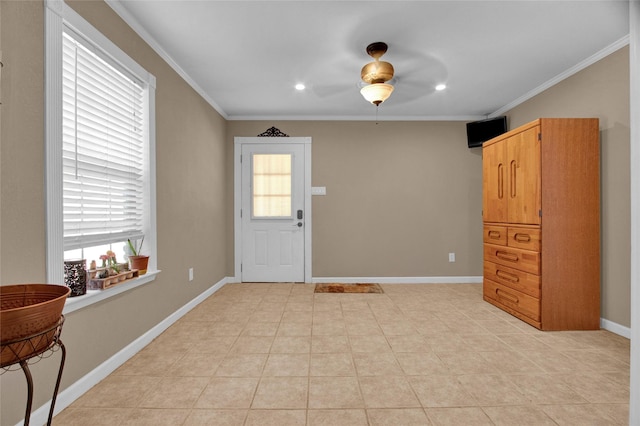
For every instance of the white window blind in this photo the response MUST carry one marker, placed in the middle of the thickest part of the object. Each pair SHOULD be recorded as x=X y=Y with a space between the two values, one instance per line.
x=103 y=149
x=272 y=185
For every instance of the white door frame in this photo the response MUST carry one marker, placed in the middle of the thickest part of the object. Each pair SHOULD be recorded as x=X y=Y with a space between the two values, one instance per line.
x=237 y=197
x=634 y=59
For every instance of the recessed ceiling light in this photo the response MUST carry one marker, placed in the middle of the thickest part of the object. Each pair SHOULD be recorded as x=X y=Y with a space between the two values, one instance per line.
x=441 y=87
x=300 y=86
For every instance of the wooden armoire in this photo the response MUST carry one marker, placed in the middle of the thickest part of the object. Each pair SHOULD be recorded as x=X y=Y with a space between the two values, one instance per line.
x=541 y=214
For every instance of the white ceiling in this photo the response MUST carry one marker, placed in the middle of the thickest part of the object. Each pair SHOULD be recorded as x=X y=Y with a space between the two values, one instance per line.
x=245 y=57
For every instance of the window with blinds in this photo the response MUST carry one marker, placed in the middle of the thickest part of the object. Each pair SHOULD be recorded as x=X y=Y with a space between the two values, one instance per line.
x=103 y=148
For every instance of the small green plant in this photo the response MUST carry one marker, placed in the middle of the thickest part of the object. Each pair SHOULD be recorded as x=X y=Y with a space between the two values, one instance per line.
x=135 y=250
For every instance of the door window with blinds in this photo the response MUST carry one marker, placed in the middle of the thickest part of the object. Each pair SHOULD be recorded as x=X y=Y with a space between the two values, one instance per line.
x=271 y=186
x=102 y=150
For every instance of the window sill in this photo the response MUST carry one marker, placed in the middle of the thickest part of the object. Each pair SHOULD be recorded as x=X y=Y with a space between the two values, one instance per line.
x=94 y=296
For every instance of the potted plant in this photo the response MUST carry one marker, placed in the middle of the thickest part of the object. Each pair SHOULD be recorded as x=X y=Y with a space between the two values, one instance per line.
x=137 y=260
x=110 y=265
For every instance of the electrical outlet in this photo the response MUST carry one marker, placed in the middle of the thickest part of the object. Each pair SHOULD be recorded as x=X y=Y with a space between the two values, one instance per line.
x=190 y=274
x=452 y=257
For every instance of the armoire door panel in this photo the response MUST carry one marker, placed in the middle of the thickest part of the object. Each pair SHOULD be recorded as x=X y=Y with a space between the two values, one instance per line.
x=523 y=154
x=494 y=199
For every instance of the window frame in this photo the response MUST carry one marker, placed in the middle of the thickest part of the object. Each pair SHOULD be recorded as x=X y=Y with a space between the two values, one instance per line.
x=59 y=15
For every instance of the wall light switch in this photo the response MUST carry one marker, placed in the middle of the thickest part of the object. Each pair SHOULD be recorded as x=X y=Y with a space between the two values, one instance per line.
x=452 y=257
x=190 y=274
x=319 y=190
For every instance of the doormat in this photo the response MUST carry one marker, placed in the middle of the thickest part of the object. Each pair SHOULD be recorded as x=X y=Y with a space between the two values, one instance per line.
x=348 y=288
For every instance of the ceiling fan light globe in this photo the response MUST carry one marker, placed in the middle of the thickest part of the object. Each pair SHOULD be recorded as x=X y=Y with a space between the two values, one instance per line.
x=376 y=93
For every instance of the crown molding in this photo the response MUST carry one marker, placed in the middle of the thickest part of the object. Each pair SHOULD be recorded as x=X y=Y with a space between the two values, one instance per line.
x=357 y=118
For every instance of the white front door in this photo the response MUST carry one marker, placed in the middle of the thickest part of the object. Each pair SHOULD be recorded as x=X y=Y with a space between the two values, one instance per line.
x=272 y=212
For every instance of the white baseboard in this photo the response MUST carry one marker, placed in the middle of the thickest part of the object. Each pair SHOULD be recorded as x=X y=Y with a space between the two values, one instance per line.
x=77 y=389
x=399 y=280
x=616 y=328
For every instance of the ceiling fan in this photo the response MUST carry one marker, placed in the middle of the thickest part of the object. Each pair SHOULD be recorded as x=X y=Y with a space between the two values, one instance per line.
x=376 y=74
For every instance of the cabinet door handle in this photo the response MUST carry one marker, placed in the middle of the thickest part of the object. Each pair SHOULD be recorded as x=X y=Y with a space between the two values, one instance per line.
x=494 y=235
x=500 y=181
x=504 y=295
x=507 y=276
x=511 y=257
x=522 y=238
x=512 y=182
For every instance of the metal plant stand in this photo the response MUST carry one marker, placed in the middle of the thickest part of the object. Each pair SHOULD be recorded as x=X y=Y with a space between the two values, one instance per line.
x=32 y=349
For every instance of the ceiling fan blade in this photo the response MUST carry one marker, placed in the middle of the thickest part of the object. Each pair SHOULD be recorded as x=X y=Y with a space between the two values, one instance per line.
x=328 y=90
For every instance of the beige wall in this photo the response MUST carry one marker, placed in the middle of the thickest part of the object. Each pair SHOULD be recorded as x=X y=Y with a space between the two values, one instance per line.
x=191 y=188
x=22 y=160
x=400 y=197
x=602 y=91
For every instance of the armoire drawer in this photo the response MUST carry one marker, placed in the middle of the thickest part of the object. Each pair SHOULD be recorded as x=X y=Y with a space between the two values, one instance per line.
x=518 y=280
x=495 y=234
x=520 y=302
x=524 y=238
x=523 y=260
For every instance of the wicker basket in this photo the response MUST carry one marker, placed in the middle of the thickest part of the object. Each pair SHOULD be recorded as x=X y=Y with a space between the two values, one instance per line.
x=28 y=310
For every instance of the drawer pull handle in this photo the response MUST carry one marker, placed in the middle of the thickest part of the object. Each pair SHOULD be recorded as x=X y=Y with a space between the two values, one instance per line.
x=507 y=276
x=509 y=297
x=494 y=235
x=511 y=257
x=522 y=238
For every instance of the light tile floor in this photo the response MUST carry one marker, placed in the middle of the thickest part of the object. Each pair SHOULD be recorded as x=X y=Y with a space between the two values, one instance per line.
x=278 y=354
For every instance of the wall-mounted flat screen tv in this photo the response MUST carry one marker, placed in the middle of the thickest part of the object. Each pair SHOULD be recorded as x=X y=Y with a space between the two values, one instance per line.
x=483 y=130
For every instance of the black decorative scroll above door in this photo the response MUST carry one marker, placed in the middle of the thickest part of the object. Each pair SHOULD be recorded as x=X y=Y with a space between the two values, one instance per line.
x=273 y=132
